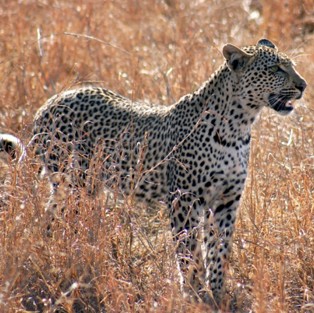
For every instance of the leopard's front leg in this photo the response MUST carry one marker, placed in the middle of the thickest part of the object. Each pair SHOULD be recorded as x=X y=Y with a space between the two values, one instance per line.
x=218 y=231
x=187 y=228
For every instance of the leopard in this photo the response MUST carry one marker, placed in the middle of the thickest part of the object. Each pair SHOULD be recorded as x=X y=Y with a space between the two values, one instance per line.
x=192 y=154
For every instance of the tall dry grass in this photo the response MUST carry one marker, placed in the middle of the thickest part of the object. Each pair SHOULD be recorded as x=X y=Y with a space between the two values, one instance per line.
x=119 y=257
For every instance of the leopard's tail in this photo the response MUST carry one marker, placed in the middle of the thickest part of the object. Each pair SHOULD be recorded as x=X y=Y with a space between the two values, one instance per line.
x=13 y=147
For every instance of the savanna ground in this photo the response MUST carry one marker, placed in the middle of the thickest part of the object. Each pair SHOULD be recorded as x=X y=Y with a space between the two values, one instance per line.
x=120 y=258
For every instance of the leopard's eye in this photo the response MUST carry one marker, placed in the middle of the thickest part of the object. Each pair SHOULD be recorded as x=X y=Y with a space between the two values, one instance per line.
x=274 y=68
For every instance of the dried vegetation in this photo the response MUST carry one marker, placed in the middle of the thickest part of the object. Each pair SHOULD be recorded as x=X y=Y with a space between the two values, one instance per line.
x=120 y=258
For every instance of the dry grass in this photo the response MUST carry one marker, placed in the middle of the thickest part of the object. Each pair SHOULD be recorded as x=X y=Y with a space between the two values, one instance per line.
x=120 y=258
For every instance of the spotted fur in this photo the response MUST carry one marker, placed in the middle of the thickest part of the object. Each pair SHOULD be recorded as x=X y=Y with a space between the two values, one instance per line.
x=193 y=154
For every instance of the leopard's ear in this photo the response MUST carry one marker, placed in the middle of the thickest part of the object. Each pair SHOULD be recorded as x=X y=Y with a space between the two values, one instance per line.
x=236 y=58
x=267 y=43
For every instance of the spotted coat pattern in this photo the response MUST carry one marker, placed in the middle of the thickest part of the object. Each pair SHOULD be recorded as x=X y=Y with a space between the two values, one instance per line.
x=193 y=154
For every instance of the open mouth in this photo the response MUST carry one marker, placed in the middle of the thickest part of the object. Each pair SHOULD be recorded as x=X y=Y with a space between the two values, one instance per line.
x=281 y=103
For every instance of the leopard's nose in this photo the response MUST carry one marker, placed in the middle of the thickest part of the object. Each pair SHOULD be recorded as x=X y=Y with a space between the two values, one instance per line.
x=301 y=86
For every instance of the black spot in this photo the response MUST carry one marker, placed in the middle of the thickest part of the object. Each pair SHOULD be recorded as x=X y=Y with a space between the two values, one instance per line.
x=181 y=217
x=219 y=208
x=217 y=138
x=201 y=201
x=228 y=189
x=229 y=204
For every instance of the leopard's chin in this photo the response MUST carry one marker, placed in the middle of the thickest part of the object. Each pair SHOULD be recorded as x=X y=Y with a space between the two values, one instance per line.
x=281 y=103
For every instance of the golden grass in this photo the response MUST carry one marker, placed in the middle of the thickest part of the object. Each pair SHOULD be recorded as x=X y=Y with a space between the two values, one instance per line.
x=120 y=258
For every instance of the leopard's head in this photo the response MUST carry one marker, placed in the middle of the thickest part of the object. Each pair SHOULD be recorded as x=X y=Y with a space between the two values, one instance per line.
x=266 y=77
